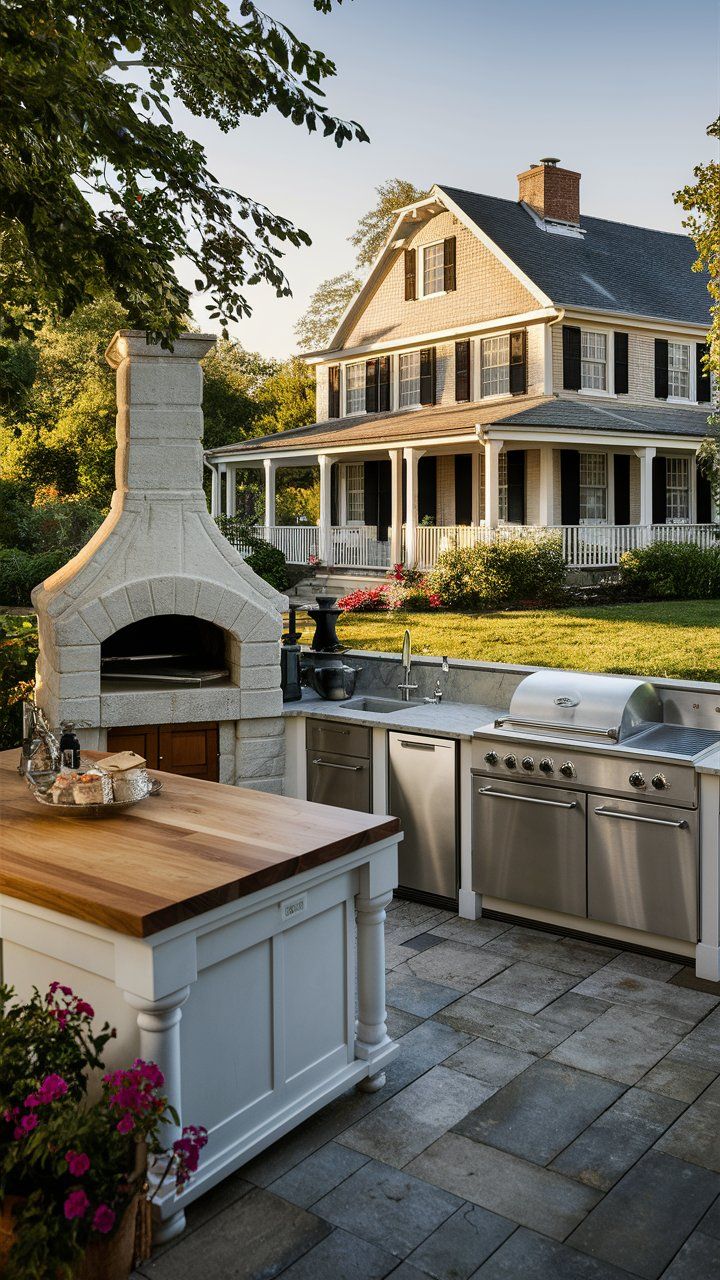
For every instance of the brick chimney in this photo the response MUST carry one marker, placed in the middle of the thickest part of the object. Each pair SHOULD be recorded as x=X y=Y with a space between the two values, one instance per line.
x=553 y=193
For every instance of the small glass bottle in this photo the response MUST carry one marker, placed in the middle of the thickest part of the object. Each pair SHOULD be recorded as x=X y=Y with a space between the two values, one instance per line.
x=69 y=751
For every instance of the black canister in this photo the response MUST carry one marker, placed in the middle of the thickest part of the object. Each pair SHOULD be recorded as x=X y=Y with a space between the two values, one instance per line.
x=70 y=742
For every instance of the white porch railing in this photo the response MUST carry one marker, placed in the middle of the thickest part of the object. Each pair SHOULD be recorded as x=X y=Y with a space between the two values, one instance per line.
x=296 y=541
x=601 y=546
x=357 y=547
x=432 y=540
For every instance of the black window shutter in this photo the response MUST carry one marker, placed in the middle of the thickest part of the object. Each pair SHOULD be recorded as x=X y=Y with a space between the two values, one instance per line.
x=569 y=486
x=370 y=495
x=463 y=488
x=383 y=384
x=371 y=386
x=704 y=498
x=661 y=369
x=334 y=473
x=427 y=375
x=622 y=488
x=518 y=362
x=427 y=487
x=572 y=374
x=462 y=370
x=703 y=377
x=334 y=391
x=516 y=486
x=621 y=367
x=659 y=489
x=384 y=514
x=449 y=264
x=410 y=275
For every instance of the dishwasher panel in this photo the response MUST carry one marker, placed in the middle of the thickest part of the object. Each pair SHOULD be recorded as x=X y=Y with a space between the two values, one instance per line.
x=423 y=795
x=341 y=780
x=528 y=844
x=643 y=866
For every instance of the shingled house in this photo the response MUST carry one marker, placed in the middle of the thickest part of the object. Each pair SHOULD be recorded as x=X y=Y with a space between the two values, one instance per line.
x=506 y=366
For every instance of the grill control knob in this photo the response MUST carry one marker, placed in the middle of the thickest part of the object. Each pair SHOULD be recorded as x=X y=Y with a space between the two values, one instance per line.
x=637 y=780
x=491 y=757
x=567 y=769
x=660 y=782
x=528 y=763
x=546 y=765
x=510 y=762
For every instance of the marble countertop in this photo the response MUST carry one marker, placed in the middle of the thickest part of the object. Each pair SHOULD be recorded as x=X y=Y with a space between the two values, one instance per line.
x=446 y=719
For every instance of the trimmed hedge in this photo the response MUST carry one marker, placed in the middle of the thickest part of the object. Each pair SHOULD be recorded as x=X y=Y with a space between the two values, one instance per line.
x=671 y=571
x=20 y=571
x=492 y=576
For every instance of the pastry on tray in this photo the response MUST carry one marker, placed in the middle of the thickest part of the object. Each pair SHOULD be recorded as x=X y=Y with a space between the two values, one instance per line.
x=62 y=788
x=128 y=773
x=93 y=787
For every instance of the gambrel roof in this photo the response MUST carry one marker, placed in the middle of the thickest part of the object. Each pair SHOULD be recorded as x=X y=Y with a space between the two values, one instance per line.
x=612 y=267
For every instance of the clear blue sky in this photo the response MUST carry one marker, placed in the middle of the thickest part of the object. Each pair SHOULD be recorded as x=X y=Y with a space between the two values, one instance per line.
x=470 y=92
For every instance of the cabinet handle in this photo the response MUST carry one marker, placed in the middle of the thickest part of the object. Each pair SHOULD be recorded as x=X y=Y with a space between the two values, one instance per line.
x=330 y=764
x=417 y=746
x=507 y=795
x=636 y=817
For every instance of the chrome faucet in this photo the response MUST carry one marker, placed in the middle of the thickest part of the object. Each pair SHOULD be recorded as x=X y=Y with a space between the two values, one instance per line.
x=406 y=688
x=437 y=694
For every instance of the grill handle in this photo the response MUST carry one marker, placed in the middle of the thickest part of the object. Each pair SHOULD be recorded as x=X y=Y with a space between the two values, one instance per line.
x=551 y=727
x=636 y=817
x=330 y=764
x=508 y=795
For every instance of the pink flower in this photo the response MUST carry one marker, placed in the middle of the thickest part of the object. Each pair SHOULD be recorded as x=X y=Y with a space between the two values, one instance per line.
x=51 y=1088
x=82 y=1006
x=76 y=1205
x=103 y=1219
x=28 y=1123
x=125 y=1124
x=78 y=1163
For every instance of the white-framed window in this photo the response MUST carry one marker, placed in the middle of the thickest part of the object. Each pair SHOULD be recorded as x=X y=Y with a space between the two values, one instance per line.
x=355 y=387
x=678 y=490
x=495 y=366
x=433 y=268
x=409 y=379
x=679 y=370
x=593 y=361
x=502 y=487
x=593 y=488
x=355 y=493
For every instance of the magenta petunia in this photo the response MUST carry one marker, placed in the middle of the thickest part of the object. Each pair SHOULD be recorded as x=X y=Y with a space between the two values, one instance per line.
x=28 y=1123
x=125 y=1124
x=82 y=1006
x=78 y=1163
x=103 y=1219
x=76 y=1205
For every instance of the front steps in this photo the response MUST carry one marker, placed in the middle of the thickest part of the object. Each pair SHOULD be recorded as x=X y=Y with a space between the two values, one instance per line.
x=333 y=582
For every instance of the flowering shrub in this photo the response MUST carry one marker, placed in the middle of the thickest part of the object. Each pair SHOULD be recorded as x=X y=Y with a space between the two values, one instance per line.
x=313 y=560
x=404 y=589
x=496 y=574
x=75 y=1165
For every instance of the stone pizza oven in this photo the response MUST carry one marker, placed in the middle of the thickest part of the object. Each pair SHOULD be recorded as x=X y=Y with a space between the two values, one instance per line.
x=157 y=635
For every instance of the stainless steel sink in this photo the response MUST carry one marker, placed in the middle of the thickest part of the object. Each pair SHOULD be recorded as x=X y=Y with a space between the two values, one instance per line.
x=379 y=706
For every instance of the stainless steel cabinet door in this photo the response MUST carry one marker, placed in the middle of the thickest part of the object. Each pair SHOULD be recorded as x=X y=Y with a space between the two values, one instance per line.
x=528 y=844
x=643 y=866
x=422 y=794
x=344 y=781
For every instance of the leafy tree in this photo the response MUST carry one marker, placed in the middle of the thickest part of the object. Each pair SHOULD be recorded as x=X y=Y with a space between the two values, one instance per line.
x=316 y=327
x=701 y=202
x=98 y=187
x=287 y=398
x=232 y=394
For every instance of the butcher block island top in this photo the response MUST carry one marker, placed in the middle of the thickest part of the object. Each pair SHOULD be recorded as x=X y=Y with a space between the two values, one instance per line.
x=196 y=846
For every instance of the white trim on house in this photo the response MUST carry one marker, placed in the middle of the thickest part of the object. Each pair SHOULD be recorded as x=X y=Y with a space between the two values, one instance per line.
x=521 y=320
x=631 y=320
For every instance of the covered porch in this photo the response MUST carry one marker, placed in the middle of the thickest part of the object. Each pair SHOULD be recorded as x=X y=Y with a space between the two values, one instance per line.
x=407 y=505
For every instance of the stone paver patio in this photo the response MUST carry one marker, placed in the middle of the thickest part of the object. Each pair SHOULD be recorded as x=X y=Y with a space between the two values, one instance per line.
x=554 y=1112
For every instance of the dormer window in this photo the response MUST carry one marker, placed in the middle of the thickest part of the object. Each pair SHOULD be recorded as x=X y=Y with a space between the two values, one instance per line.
x=433 y=272
x=593 y=358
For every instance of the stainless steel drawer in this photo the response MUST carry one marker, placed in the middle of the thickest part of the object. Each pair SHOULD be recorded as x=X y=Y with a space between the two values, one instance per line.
x=643 y=866
x=345 y=781
x=422 y=793
x=529 y=844
x=333 y=735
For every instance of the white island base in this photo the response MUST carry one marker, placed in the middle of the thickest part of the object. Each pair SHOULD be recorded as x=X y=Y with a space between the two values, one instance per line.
x=248 y=1008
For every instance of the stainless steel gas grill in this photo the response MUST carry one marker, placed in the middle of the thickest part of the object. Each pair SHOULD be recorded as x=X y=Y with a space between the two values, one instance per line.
x=585 y=802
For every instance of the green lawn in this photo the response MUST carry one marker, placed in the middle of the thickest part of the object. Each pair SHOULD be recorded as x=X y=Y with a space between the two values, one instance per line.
x=679 y=638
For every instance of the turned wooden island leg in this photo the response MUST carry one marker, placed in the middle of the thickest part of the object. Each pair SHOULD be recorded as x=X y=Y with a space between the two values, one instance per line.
x=371 y=1027
x=159 y=1025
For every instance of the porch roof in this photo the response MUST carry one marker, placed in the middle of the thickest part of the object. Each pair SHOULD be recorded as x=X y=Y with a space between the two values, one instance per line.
x=542 y=413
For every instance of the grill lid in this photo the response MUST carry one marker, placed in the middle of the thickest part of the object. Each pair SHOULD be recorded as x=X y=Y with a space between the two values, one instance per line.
x=594 y=706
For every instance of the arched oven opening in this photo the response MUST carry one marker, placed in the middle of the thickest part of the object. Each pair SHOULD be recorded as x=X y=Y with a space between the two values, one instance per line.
x=165 y=651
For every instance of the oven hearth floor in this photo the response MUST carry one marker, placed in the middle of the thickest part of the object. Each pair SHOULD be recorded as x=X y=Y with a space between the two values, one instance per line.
x=553 y=1114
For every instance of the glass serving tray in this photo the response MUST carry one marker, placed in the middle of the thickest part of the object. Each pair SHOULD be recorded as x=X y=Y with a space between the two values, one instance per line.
x=94 y=810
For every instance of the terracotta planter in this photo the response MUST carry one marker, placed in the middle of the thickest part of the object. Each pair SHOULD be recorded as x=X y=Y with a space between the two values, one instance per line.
x=110 y=1258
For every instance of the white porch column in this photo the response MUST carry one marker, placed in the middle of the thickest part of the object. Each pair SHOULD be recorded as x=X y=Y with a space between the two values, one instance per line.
x=371 y=1026
x=214 y=492
x=396 y=459
x=269 y=465
x=492 y=487
x=476 y=487
x=546 y=509
x=324 y=531
x=646 y=456
x=230 y=489
x=412 y=457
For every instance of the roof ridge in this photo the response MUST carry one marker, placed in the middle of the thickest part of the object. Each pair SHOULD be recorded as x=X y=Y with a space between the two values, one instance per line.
x=615 y=222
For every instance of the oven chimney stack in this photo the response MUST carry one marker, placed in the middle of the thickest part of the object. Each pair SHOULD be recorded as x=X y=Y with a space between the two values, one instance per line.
x=551 y=192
